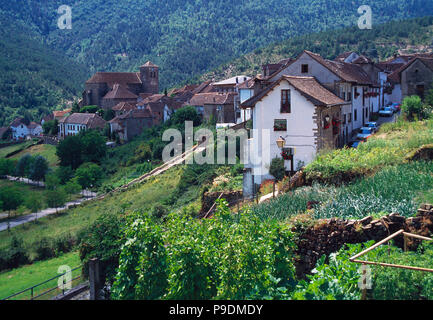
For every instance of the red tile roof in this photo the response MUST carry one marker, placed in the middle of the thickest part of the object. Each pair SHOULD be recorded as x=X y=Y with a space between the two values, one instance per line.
x=309 y=87
x=124 y=106
x=347 y=71
x=120 y=92
x=91 y=120
x=395 y=77
x=212 y=98
x=111 y=78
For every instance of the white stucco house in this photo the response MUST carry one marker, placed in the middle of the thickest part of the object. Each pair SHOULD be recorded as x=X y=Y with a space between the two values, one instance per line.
x=299 y=110
x=75 y=123
x=347 y=80
x=21 y=131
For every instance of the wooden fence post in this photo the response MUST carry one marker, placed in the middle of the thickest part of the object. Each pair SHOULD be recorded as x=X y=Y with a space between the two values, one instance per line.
x=94 y=279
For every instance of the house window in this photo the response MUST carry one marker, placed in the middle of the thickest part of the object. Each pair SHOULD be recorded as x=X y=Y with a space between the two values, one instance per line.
x=287 y=154
x=356 y=115
x=350 y=117
x=280 y=125
x=304 y=68
x=285 y=101
x=345 y=119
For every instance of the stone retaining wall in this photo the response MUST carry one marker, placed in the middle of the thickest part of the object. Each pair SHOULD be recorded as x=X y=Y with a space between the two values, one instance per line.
x=328 y=236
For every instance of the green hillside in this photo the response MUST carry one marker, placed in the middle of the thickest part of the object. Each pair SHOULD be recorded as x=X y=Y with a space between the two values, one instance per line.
x=34 y=79
x=189 y=37
x=383 y=41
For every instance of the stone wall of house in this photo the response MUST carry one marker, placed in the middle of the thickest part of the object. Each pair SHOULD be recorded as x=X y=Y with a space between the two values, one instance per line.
x=329 y=236
x=414 y=75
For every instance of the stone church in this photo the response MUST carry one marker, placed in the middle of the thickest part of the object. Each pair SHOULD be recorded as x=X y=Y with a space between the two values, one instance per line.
x=107 y=89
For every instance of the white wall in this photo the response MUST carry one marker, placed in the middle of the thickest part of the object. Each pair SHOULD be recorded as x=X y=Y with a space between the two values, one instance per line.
x=299 y=134
x=20 y=132
x=358 y=106
x=395 y=97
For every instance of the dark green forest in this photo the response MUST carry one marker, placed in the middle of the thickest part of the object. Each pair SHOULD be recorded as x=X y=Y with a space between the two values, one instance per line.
x=379 y=43
x=33 y=78
x=43 y=66
x=190 y=37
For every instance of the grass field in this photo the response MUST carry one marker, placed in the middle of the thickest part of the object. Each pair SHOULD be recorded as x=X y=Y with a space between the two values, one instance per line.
x=389 y=146
x=25 y=190
x=22 y=278
x=139 y=198
x=45 y=150
x=5 y=151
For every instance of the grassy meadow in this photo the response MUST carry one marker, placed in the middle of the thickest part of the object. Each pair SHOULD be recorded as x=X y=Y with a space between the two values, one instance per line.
x=19 y=279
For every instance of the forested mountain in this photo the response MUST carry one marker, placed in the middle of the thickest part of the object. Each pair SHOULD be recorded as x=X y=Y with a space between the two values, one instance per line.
x=189 y=37
x=33 y=78
x=380 y=43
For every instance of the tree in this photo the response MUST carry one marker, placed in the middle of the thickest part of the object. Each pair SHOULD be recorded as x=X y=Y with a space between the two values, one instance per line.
x=72 y=187
x=75 y=107
x=34 y=203
x=277 y=168
x=187 y=113
x=23 y=166
x=56 y=198
x=413 y=108
x=11 y=199
x=64 y=174
x=38 y=169
x=52 y=181
x=94 y=147
x=7 y=167
x=89 y=175
x=51 y=127
x=88 y=146
x=69 y=152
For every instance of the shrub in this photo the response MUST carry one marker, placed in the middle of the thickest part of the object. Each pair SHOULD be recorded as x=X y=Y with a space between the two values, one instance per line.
x=45 y=249
x=226 y=257
x=102 y=240
x=277 y=168
x=142 y=272
x=14 y=256
x=413 y=108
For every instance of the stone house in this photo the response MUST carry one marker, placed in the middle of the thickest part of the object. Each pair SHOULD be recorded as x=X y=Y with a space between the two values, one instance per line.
x=216 y=105
x=75 y=123
x=131 y=124
x=414 y=78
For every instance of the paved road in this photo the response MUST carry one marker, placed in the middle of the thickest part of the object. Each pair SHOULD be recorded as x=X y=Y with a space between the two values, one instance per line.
x=87 y=195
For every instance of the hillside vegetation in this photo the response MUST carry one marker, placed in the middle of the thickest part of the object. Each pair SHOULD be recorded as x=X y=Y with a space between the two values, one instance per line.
x=376 y=178
x=189 y=37
x=34 y=78
x=379 y=43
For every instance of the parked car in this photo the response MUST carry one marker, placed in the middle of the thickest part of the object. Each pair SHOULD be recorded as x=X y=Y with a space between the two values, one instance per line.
x=355 y=144
x=372 y=125
x=396 y=106
x=386 y=112
x=365 y=133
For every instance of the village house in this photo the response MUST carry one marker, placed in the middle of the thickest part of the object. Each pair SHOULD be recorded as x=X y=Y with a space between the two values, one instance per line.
x=131 y=124
x=301 y=112
x=107 y=89
x=21 y=130
x=215 y=105
x=75 y=123
x=349 y=81
x=412 y=78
